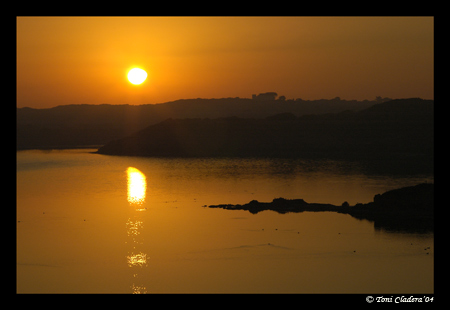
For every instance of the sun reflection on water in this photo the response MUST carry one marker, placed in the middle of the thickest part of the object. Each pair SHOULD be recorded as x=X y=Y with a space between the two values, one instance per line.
x=136 y=259
x=133 y=227
x=139 y=259
x=137 y=186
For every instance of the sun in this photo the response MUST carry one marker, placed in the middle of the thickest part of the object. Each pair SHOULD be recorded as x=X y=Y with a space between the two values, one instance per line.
x=137 y=76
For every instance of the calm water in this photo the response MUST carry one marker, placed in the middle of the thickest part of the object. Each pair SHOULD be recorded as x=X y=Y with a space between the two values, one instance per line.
x=89 y=223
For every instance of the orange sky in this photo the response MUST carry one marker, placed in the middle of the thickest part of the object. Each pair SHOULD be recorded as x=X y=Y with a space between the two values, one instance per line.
x=77 y=60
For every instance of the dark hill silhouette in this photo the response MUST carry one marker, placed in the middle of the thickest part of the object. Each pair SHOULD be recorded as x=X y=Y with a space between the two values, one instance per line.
x=400 y=109
x=395 y=129
x=408 y=209
x=80 y=125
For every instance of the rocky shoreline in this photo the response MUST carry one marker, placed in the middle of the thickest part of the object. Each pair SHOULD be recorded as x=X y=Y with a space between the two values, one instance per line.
x=408 y=209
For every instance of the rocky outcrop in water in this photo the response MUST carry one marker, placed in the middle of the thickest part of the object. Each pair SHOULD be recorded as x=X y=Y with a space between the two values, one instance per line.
x=408 y=209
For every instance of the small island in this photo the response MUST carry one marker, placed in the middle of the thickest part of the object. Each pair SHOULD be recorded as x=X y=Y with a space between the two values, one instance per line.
x=407 y=209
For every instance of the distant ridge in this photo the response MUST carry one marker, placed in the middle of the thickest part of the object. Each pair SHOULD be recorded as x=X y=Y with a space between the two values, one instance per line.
x=395 y=129
x=414 y=108
x=75 y=125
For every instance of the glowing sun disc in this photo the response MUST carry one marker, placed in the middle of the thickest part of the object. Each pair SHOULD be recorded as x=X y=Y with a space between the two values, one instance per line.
x=137 y=76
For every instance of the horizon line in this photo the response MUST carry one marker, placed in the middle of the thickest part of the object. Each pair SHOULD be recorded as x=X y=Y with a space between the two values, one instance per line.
x=337 y=98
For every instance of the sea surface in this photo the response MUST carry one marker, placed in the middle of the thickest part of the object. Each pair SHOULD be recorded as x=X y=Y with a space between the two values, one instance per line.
x=90 y=223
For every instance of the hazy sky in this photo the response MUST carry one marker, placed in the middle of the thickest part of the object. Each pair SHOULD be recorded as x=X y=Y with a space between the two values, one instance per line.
x=76 y=60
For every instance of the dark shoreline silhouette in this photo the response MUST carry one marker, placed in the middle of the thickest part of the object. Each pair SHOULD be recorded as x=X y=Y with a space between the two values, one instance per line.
x=408 y=209
x=68 y=126
x=86 y=124
x=398 y=129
